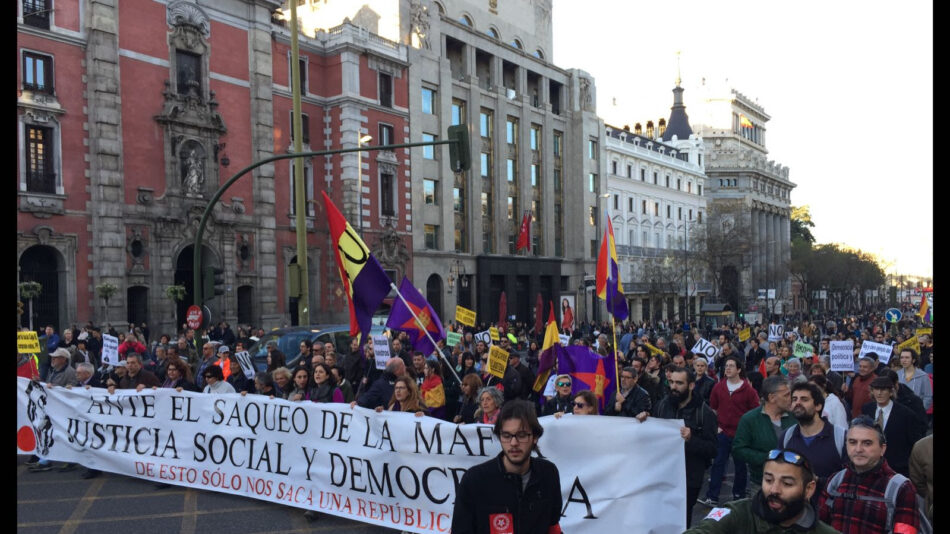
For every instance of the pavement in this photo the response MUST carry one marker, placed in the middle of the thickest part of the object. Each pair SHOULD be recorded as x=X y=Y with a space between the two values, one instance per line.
x=51 y=502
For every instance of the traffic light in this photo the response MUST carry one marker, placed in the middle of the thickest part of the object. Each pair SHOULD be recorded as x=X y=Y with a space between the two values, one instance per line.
x=460 y=158
x=212 y=282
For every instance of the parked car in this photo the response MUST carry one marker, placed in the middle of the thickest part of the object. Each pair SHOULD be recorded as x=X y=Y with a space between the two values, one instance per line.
x=288 y=341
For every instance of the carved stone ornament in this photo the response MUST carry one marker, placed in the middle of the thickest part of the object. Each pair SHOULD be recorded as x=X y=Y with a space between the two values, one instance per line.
x=420 y=24
x=391 y=251
x=43 y=233
x=145 y=196
x=187 y=13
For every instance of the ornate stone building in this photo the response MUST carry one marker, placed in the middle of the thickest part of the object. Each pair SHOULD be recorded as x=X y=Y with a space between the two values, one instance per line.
x=749 y=193
x=132 y=114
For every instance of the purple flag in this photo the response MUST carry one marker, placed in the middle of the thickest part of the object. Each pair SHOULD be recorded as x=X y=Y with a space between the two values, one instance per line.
x=588 y=370
x=400 y=318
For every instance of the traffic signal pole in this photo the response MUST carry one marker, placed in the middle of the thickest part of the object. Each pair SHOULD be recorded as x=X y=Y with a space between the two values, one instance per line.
x=460 y=161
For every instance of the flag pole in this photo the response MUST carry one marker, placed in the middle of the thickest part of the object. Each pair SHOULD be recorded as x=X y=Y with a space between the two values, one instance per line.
x=613 y=329
x=426 y=331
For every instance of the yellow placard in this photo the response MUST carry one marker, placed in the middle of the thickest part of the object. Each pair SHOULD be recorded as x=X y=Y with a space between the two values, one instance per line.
x=27 y=343
x=493 y=332
x=654 y=350
x=911 y=343
x=497 y=361
x=464 y=316
x=922 y=331
x=745 y=334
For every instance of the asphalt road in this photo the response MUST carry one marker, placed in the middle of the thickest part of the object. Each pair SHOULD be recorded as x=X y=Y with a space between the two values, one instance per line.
x=64 y=503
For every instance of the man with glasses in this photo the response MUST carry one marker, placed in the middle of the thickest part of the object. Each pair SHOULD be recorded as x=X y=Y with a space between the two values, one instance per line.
x=853 y=501
x=632 y=400
x=512 y=492
x=781 y=506
x=699 y=431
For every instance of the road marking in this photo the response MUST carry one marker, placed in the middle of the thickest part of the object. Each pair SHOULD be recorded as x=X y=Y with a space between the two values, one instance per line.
x=190 y=510
x=98 y=497
x=143 y=517
x=82 y=507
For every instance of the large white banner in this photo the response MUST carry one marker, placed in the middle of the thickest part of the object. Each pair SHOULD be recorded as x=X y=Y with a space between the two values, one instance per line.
x=390 y=469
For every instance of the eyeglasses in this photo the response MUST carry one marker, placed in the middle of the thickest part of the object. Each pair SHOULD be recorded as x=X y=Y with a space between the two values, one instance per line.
x=789 y=457
x=579 y=405
x=506 y=437
x=562 y=384
x=208 y=376
x=626 y=377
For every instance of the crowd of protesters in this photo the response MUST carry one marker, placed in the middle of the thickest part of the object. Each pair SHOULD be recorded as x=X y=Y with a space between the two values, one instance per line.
x=753 y=398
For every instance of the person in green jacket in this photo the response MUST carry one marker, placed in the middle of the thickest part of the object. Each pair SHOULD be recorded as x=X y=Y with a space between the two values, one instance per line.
x=761 y=428
x=781 y=507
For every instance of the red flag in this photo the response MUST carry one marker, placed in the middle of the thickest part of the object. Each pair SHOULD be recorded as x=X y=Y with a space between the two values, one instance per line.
x=524 y=240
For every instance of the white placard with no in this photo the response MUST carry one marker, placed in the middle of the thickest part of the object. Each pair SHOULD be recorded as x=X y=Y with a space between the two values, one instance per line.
x=483 y=336
x=842 y=356
x=776 y=332
x=244 y=359
x=381 y=351
x=110 y=349
x=706 y=349
x=882 y=350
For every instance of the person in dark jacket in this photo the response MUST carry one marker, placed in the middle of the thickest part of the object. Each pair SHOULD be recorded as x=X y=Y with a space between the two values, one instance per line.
x=561 y=401
x=704 y=382
x=632 y=400
x=381 y=389
x=496 y=489
x=901 y=427
x=814 y=436
x=699 y=432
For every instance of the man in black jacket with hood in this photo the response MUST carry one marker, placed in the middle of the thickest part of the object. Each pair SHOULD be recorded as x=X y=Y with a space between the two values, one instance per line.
x=513 y=492
x=699 y=432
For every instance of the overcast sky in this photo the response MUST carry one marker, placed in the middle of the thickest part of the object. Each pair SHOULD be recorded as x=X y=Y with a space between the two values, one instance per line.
x=849 y=87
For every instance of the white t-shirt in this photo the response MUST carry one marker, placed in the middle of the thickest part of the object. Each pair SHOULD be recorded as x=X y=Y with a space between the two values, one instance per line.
x=834 y=411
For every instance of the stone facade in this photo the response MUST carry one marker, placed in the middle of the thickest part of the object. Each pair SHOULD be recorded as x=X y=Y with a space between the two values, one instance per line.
x=738 y=171
x=157 y=105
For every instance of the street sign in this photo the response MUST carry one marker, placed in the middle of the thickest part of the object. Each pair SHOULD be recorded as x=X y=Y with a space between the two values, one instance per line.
x=193 y=317
x=893 y=315
x=771 y=293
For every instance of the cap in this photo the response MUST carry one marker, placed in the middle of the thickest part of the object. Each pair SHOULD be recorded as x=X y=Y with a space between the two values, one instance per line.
x=882 y=382
x=120 y=364
x=60 y=353
x=223 y=349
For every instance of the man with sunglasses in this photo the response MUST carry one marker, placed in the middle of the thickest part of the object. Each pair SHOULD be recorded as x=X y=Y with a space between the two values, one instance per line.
x=512 y=492
x=854 y=502
x=780 y=507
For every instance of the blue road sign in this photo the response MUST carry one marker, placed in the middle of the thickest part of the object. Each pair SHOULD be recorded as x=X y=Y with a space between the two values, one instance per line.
x=892 y=315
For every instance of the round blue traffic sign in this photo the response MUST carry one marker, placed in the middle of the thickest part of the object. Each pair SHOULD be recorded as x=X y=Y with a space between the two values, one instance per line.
x=892 y=315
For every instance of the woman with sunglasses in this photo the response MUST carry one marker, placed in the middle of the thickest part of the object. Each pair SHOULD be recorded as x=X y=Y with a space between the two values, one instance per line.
x=585 y=403
x=561 y=401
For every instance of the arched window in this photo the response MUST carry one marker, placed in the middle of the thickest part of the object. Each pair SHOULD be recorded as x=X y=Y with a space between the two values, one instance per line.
x=517 y=44
x=466 y=20
x=538 y=54
x=492 y=32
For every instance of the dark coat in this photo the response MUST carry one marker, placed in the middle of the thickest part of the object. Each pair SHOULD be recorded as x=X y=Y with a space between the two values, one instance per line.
x=638 y=400
x=488 y=489
x=702 y=444
x=903 y=429
x=379 y=392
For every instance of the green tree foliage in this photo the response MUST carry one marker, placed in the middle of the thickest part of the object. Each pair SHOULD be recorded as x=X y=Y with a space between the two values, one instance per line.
x=801 y=224
x=841 y=271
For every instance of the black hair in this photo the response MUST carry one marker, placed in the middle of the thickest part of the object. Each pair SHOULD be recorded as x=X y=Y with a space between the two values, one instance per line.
x=525 y=412
x=816 y=393
x=215 y=371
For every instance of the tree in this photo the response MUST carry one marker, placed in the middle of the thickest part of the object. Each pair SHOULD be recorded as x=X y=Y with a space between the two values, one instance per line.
x=800 y=225
x=29 y=291
x=723 y=241
x=105 y=290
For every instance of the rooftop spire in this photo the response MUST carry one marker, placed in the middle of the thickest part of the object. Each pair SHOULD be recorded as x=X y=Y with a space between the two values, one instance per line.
x=678 y=77
x=678 y=124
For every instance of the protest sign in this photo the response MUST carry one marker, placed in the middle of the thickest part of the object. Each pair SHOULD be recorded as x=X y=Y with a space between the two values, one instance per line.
x=110 y=349
x=804 y=350
x=493 y=332
x=705 y=349
x=381 y=351
x=776 y=332
x=484 y=336
x=654 y=350
x=922 y=331
x=452 y=338
x=565 y=339
x=244 y=359
x=745 y=334
x=27 y=343
x=497 y=361
x=464 y=316
x=882 y=350
x=389 y=469
x=842 y=355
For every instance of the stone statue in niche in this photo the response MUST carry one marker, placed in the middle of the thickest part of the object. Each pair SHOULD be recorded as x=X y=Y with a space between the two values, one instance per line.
x=587 y=99
x=420 y=24
x=193 y=175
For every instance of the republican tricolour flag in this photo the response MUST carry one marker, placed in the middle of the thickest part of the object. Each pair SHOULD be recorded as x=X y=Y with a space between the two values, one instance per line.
x=608 y=283
x=588 y=370
x=365 y=282
x=401 y=318
x=548 y=357
x=924 y=311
